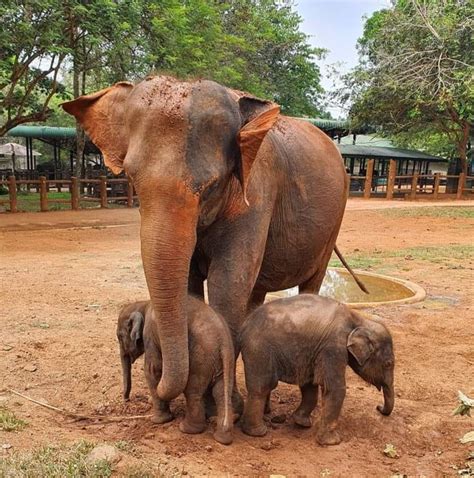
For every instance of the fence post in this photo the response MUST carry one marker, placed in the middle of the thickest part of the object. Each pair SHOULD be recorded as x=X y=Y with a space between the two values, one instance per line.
x=12 y=193
x=437 y=180
x=74 y=193
x=414 y=185
x=461 y=183
x=43 y=194
x=129 y=192
x=368 y=178
x=103 y=191
x=392 y=172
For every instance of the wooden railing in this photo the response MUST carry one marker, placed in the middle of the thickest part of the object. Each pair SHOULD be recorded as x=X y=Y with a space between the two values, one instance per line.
x=102 y=191
x=410 y=186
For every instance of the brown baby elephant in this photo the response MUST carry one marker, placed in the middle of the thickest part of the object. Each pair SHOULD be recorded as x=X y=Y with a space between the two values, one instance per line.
x=308 y=341
x=130 y=336
x=211 y=356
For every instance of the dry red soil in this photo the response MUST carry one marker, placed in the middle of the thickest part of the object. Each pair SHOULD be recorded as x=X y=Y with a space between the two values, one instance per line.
x=65 y=275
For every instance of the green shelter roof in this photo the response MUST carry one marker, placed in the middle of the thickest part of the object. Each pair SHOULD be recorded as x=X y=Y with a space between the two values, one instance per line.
x=42 y=132
x=378 y=152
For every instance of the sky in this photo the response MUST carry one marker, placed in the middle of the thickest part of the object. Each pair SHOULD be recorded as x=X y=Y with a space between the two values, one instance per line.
x=336 y=25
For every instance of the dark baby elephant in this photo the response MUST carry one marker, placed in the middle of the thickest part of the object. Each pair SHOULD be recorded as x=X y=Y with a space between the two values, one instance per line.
x=130 y=325
x=308 y=341
x=211 y=365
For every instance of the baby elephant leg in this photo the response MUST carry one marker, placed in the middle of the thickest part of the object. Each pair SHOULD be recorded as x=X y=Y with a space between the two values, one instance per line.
x=195 y=418
x=225 y=415
x=161 y=409
x=309 y=399
x=332 y=400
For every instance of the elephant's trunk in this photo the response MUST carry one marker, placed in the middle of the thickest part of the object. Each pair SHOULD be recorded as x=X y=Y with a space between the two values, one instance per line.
x=126 y=374
x=168 y=237
x=389 y=400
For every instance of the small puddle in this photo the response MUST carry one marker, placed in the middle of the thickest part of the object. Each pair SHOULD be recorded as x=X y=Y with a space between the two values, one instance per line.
x=338 y=284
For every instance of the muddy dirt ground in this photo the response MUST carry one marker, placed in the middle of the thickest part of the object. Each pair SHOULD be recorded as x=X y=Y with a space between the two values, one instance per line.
x=65 y=275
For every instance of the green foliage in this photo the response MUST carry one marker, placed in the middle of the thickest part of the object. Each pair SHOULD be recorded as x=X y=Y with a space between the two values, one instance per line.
x=415 y=78
x=55 y=462
x=251 y=45
x=32 y=52
x=9 y=422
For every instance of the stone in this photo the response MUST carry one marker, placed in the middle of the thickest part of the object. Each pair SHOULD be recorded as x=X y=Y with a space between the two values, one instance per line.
x=103 y=453
x=7 y=348
x=279 y=418
x=30 y=368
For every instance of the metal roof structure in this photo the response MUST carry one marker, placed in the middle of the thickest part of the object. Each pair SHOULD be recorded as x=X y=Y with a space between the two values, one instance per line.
x=378 y=152
x=42 y=132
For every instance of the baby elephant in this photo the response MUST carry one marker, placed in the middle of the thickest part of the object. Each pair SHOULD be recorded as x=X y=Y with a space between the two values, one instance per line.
x=130 y=336
x=211 y=364
x=308 y=340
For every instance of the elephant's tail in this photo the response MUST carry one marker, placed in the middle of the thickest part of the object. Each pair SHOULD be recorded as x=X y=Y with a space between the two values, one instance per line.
x=228 y=366
x=351 y=272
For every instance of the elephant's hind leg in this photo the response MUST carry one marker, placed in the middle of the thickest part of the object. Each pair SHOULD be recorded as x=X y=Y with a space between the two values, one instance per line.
x=309 y=399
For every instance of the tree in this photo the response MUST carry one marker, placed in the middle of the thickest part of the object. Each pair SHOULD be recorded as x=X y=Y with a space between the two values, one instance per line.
x=31 y=55
x=416 y=73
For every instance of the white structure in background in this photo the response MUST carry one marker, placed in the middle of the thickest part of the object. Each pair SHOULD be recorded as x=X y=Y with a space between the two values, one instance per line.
x=13 y=156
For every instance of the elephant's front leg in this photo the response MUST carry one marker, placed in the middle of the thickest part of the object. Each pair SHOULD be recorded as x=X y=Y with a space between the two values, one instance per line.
x=333 y=393
x=161 y=408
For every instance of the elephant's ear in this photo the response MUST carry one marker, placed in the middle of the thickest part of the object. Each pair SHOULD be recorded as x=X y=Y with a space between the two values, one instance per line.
x=259 y=117
x=137 y=322
x=360 y=345
x=102 y=115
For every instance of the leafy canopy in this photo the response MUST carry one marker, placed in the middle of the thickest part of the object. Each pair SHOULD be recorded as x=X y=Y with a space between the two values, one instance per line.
x=415 y=78
x=49 y=47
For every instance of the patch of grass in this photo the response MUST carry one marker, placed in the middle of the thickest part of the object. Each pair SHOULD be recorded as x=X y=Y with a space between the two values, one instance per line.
x=436 y=253
x=54 y=462
x=448 y=211
x=358 y=261
x=9 y=422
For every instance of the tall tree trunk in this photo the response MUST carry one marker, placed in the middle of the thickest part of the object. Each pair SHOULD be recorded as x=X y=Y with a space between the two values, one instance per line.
x=462 y=146
x=80 y=135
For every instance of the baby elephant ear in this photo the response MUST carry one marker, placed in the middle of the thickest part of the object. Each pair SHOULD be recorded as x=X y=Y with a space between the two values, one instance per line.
x=360 y=345
x=137 y=320
x=259 y=117
x=102 y=115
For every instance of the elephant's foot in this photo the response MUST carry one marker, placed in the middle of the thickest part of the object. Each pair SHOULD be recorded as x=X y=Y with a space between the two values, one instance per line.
x=192 y=428
x=224 y=437
x=162 y=417
x=254 y=430
x=328 y=437
x=302 y=420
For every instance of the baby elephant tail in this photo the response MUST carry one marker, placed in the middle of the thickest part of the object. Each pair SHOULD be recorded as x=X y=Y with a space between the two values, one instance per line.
x=228 y=366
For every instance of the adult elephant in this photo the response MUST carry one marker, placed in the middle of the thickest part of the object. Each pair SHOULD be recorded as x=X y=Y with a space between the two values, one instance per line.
x=229 y=190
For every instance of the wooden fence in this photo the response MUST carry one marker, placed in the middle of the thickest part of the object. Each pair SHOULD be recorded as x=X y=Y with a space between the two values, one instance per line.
x=101 y=191
x=410 y=186
x=104 y=191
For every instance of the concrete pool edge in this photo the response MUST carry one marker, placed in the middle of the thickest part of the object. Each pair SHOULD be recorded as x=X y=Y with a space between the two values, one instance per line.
x=419 y=293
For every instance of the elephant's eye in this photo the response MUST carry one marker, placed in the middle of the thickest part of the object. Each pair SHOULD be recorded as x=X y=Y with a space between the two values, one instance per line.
x=388 y=364
x=209 y=189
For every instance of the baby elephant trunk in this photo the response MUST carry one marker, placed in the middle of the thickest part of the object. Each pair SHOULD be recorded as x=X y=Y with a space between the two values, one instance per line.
x=126 y=374
x=389 y=400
